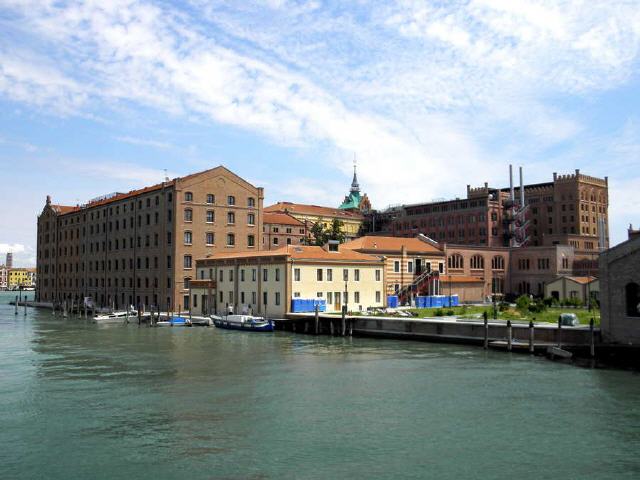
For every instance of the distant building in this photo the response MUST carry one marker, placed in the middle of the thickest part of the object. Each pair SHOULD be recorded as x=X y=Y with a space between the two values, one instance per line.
x=140 y=247
x=280 y=229
x=4 y=277
x=312 y=214
x=571 y=210
x=354 y=201
x=581 y=288
x=633 y=233
x=21 y=277
x=620 y=293
x=9 y=262
x=266 y=282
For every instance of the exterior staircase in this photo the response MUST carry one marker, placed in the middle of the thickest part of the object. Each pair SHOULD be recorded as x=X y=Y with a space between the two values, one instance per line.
x=418 y=286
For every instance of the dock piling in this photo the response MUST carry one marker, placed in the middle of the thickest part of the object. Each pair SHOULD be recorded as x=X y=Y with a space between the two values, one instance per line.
x=317 y=319
x=531 y=337
x=25 y=307
x=592 y=339
x=343 y=323
x=16 y=304
x=331 y=326
x=509 y=335
x=559 y=332
x=486 y=331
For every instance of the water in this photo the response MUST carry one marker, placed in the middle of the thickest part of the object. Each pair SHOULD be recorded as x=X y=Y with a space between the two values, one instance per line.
x=81 y=401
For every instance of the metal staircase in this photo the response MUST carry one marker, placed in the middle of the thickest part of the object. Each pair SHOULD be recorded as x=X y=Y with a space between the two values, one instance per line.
x=417 y=286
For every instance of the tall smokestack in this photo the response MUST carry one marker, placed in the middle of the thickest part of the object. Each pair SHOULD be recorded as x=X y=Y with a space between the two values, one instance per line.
x=521 y=190
x=511 y=182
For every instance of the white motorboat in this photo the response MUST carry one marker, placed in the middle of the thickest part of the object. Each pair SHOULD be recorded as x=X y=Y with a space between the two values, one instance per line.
x=114 y=317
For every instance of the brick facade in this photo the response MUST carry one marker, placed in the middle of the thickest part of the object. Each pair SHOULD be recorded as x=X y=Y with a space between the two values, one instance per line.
x=140 y=247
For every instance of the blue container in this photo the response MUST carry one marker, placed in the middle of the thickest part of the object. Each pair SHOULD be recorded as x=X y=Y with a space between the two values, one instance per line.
x=436 y=301
x=455 y=300
x=392 y=301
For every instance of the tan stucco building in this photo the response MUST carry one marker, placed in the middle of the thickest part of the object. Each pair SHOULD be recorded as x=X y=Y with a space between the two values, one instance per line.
x=581 y=288
x=266 y=282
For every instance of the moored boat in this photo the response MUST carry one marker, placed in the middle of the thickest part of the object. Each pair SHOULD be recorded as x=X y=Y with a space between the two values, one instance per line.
x=243 y=322
x=114 y=317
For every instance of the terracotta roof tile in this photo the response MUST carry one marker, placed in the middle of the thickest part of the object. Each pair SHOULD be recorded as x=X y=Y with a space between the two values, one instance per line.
x=582 y=280
x=301 y=252
x=302 y=209
x=281 y=219
x=391 y=244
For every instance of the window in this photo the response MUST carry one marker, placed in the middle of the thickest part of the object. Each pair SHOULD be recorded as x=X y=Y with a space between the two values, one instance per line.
x=265 y=275
x=251 y=219
x=188 y=238
x=210 y=216
x=187 y=282
x=477 y=262
x=277 y=298
x=378 y=275
x=456 y=261
x=251 y=202
x=356 y=274
x=231 y=239
x=319 y=274
x=632 y=293
x=251 y=241
x=188 y=215
x=209 y=238
x=231 y=275
x=231 y=218
x=277 y=274
x=396 y=266
x=296 y=274
x=356 y=297
x=345 y=276
x=221 y=275
x=187 y=261
x=231 y=200
x=211 y=199
x=188 y=197
x=497 y=263
x=275 y=240
x=329 y=275
x=378 y=296
x=329 y=298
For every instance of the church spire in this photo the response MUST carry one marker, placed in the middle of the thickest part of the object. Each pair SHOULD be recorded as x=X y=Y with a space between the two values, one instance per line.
x=355 y=187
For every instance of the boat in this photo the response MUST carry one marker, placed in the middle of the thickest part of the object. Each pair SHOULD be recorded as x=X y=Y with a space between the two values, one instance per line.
x=174 y=322
x=243 y=322
x=113 y=317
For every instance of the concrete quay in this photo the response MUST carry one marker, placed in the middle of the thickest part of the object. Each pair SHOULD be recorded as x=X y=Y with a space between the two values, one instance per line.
x=446 y=329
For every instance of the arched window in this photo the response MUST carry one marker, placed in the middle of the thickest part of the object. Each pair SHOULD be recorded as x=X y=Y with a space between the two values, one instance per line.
x=632 y=291
x=231 y=239
x=477 y=262
x=188 y=215
x=251 y=218
x=497 y=263
x=251 y=202
x=456 y=261
x=188 y=238
x=188 y=197
x=187 y=261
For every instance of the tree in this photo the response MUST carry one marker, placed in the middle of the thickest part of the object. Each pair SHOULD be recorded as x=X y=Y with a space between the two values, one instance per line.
x=321 y=234
x=335 y=231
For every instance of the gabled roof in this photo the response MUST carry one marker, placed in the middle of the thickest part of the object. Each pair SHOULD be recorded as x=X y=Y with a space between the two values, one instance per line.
x=579 y=280
x=316 y=210
x=372 y=243
x=281 y=219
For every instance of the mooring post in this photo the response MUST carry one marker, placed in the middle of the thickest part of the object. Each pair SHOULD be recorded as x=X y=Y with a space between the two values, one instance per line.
x=344 y=320
x=16 y=304
x=509 y=335
x=559 y=331
x=317 y=319
x=331 y=326
x=25 y=307
x=351 y=327
x=592 y=338
x=531 y=337
x=486 y=331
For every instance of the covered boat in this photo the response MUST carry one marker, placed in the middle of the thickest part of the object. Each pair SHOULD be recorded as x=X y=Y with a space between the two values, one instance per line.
x=243 y=322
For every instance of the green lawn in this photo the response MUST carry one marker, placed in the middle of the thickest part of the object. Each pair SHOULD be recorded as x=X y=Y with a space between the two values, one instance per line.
x=550 y=315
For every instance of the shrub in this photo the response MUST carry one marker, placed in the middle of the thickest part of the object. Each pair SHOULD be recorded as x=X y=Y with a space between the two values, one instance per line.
x=537 y=307
x=523 y=302
x=438 y=312
x=503 y=306
x=449 y=312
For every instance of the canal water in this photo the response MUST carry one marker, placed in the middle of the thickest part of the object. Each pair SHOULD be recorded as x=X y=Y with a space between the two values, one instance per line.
x=80 y=401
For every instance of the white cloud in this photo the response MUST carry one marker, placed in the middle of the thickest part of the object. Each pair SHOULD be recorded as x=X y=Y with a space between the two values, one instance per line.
x=11 y=248
x=144 y=142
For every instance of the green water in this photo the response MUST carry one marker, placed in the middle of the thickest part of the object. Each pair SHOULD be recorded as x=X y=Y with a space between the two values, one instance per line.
x=79 y=401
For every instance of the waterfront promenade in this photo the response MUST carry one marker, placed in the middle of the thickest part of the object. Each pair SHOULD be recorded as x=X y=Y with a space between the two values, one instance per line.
x=84 y=401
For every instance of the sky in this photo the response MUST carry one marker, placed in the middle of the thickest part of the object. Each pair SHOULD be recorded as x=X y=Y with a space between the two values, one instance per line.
x=98 y=97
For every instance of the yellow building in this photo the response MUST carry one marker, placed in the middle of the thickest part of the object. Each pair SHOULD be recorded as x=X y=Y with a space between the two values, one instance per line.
x=21 y=277
x=266 y=282
x=311 y=214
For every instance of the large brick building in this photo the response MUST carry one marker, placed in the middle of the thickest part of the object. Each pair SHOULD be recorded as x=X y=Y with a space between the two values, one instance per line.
x=140 y=247
x=280 y=229
x=568 y=211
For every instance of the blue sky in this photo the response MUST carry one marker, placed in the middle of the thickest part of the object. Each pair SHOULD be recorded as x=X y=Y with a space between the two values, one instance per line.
x=97 y=97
